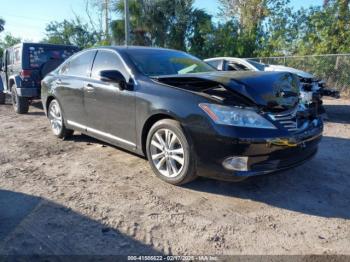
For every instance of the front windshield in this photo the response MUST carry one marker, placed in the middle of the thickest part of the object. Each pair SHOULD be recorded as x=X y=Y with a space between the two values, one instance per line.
x=158 y=62
x=259 y=66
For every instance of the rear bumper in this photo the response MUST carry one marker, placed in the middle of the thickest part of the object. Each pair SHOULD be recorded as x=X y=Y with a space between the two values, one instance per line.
x=28 y=92
x=265 y=155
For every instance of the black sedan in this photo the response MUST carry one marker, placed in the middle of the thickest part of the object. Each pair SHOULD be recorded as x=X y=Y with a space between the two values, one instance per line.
x=187 y=118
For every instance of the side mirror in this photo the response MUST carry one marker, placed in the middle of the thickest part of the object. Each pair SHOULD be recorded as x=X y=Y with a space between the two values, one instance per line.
x=113 y=76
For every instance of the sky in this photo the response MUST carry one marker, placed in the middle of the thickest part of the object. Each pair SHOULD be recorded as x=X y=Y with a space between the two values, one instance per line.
x=27 y=19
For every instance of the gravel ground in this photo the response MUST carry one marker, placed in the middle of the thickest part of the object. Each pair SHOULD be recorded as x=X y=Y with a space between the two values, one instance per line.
x=84 y=197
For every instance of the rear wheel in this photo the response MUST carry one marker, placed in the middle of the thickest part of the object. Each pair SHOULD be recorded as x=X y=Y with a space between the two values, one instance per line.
x=2 y=98
x=20 y=104
x=169 y=153
x=56 y=120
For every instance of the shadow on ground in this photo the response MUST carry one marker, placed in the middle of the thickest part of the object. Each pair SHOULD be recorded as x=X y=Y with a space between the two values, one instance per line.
x=338 y=113
x=320 y=187
x=34 y=226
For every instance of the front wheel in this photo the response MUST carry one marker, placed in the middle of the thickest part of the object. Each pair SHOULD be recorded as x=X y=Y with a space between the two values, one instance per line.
x=169 y=153
x=56 y=120
x=20 y=104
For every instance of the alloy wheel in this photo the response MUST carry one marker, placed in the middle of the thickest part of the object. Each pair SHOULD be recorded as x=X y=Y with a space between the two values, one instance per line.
x=167 y=153
x=55 y=117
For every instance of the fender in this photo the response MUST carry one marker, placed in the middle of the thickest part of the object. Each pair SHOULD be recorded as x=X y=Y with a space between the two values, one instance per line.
x=15 y=79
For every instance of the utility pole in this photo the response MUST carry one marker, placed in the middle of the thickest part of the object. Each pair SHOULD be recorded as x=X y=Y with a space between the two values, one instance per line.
x=106 y=18
x=127 y=22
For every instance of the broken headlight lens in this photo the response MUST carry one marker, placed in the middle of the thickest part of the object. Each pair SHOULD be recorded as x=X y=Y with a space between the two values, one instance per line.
x=233 y=116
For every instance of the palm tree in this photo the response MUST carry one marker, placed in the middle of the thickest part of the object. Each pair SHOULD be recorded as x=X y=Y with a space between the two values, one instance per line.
x=2 y=23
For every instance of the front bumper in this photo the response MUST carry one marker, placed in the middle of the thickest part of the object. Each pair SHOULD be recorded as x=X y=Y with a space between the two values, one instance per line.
x=265 y=154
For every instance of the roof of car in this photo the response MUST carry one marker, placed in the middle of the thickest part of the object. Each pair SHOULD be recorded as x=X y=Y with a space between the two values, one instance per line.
x=41 y=44
x=123 y=48
x=225 y=58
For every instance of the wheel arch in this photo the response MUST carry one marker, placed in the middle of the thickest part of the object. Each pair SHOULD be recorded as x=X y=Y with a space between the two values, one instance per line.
x=47 y=103
x=148 y=125
x=14 y=80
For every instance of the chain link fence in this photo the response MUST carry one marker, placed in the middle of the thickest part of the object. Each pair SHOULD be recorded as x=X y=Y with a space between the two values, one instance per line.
x=334 y=69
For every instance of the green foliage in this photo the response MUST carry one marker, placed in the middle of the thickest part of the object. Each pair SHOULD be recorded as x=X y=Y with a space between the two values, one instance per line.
x=158 y=23
x=246 y=28
x=2 y=23
x=8 y=41
x=73 y=32
x=326 y=30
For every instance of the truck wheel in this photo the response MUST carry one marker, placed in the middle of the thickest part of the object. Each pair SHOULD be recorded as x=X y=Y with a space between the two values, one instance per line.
x=20 y=104
x=2 y=98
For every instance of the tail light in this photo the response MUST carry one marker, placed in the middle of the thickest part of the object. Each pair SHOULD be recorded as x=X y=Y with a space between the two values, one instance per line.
x=26 y=73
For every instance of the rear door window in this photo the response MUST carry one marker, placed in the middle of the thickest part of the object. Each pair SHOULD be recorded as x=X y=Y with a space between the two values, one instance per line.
x=79 y=65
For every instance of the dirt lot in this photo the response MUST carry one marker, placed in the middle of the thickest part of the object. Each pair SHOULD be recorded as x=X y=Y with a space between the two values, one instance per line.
x=83 y=197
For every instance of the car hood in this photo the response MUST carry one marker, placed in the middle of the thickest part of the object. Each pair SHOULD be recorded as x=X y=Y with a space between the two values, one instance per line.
x=271 y=90
x=280 y=68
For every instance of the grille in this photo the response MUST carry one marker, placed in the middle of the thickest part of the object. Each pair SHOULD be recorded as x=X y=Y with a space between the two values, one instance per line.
x=287 y=119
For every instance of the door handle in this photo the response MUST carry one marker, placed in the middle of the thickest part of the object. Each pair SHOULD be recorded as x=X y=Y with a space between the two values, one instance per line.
x=58 y=81
x=89 y=88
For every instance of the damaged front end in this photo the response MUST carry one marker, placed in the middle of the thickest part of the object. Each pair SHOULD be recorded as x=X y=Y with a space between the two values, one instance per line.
x=284 y=134
x=312 y=92
x=275 y=95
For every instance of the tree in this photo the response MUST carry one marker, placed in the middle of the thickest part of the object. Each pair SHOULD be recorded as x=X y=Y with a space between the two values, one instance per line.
x=278 y=35
x=263 y=25
x=101 y=10
x=158 y=23
x=8 y=41
x=201 y=34
x=73 y=32
x=138 y=21
x=324 y=30
x=2 y=23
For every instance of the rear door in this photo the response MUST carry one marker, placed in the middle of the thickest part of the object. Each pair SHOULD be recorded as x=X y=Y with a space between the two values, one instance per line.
x=69 y=84
x=110 y=111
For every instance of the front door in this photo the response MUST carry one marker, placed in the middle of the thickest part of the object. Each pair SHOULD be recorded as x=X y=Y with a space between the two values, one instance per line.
x=110 y=111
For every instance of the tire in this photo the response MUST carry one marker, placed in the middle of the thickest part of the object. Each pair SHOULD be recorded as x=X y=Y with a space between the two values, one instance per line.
x=55 y=116
x=20 y=104
x=2 y=98
x=172 y=159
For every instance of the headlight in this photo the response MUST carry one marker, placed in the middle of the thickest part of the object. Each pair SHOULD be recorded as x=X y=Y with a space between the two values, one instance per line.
x=233 y=116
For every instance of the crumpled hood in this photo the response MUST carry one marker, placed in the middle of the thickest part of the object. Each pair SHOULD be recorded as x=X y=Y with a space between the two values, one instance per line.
x=280 y=68
x=272 y=90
